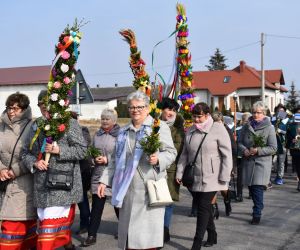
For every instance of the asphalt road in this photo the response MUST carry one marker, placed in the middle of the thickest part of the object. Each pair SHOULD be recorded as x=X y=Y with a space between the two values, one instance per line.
x=279 y=228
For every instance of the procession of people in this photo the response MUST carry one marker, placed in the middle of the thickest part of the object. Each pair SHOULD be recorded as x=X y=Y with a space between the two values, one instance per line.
x=37 y=214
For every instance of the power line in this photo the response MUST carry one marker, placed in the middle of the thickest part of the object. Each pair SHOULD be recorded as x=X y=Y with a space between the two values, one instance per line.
x=282 y=36
x=171 y=65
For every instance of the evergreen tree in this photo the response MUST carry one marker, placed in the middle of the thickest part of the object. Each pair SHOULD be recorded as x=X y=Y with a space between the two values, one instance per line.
x=293 y=98
x=217 y=61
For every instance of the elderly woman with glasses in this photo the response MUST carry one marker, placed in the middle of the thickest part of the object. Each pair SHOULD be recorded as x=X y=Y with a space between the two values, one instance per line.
x=213 y=166
x=17 y=212
x=140 y=226
x=257 y=143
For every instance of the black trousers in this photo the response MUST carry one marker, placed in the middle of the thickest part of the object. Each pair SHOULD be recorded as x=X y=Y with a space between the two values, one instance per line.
x=239 y=179
x=96 y=214
x=205 y=218
x=296 y=162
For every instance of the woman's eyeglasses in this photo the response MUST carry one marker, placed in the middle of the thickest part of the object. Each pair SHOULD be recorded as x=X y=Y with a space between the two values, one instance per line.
x=14 y=109
x=257 y=112
x=137 y=108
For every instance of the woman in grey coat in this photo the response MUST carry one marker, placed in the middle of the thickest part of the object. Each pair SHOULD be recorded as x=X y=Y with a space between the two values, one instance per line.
x=140 y=226
x=212 y=171
x=17 y=213
x=257 y=143
x=105 y=141
x=55 y=207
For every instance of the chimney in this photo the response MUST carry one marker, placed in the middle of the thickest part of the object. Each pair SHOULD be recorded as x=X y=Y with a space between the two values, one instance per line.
x=242 y=66
x=116 y=85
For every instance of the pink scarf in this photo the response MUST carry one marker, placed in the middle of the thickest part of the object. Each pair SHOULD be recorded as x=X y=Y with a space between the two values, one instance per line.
x=206 y=125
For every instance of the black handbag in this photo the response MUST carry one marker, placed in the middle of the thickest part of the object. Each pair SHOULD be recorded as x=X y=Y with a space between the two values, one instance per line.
x=4 y=184
x=188 y=173
x=59 y=179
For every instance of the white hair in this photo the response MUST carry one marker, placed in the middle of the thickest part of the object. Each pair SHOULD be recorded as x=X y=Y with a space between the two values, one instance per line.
x=138 y=95
x=110 y=113
x=259 y=105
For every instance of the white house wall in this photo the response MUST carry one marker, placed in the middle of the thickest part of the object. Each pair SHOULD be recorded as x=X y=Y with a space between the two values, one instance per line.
x=32 y=91
x=202 y=96
x=93 y=110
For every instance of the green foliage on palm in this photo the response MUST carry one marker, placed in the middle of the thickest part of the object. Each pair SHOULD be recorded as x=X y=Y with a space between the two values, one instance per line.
x=258 y=141
x=93 y=152
x=150 y=143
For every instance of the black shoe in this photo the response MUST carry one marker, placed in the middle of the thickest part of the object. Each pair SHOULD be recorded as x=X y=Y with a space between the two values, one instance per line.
x=196 y=244
x=215 y=211
x=72 y=247
x=81 y=231
x=298 y=188
x=166 y=235
x=239 y=198
x=90 y=240
x=227 y=207
x=255 y=221
x=211 y=238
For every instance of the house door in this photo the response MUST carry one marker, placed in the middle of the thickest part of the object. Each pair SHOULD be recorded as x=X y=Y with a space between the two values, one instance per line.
x=221 y=102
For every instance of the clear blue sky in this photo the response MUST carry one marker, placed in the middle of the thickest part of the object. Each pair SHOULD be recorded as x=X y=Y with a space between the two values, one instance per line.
x=30 y=29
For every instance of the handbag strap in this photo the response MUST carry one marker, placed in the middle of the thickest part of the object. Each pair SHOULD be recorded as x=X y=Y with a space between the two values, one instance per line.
x=13 y=152
x=199 y=149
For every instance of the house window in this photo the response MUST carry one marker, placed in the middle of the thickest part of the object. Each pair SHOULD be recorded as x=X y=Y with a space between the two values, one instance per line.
x=226 y=79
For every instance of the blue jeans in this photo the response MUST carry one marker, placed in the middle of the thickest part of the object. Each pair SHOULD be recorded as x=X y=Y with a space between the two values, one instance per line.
x=257 y=192
x=168 y=215
x=84 y=208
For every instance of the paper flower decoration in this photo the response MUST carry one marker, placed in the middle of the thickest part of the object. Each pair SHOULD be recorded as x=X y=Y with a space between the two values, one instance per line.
x=62 y=78
x=64 y=68
x=184 y=67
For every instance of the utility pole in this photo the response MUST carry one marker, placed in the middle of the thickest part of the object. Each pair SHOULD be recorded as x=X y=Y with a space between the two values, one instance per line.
x=262 y=43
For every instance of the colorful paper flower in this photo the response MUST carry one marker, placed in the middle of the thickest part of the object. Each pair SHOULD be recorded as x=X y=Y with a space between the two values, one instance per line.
x=67 y=80
x=61 y=103
x=61 y=128
x=57 y=85
x=54 y=97
x=65 y=55
x=64 y=68
x=67 y=102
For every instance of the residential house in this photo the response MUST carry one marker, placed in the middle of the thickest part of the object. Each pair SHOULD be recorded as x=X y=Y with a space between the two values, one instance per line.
x=218 y=88
x=31 y=80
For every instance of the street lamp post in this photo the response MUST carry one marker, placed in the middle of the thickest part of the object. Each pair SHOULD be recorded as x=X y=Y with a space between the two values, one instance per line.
x=234 y=111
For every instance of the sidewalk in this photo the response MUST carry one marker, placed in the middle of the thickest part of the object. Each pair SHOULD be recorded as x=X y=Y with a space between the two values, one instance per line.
x=279 y=228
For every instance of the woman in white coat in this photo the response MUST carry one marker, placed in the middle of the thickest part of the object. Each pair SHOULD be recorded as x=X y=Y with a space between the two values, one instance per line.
x=140 y=226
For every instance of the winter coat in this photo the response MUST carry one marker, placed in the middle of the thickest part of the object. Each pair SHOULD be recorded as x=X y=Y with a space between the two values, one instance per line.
x=72 y=148
x=106 y=142
x=290 y=136
x=17 y=201
x=140 y=225
x=280 y=127
x=177 y=132
x=214 y=161
x=257 y=168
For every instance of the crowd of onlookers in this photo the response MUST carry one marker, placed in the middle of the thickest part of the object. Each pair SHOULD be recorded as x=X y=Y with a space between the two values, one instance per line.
x=38 y=198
